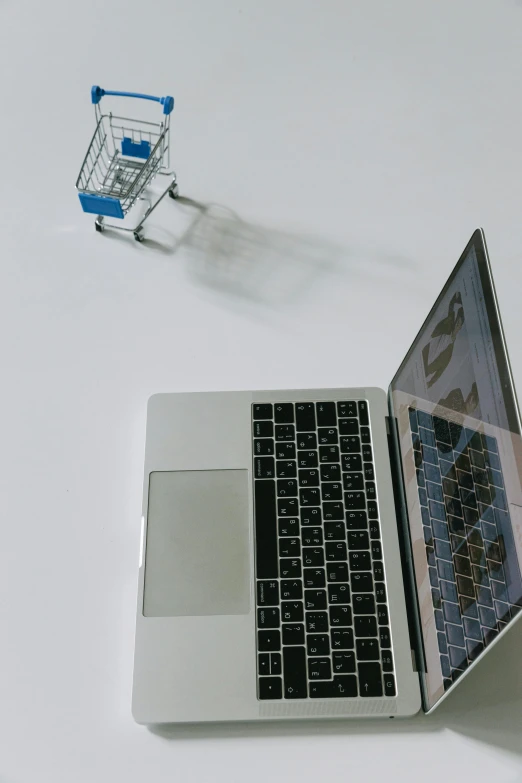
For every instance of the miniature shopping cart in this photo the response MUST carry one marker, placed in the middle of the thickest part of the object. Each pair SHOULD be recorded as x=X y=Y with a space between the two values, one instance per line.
x=123 y=158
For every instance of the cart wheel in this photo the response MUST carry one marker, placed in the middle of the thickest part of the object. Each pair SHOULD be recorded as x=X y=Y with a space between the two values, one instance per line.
x=98 y=226
x=138 y=236
x=174 y=192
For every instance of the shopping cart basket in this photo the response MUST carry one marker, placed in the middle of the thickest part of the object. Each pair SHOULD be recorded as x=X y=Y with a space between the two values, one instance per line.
x=123 y=158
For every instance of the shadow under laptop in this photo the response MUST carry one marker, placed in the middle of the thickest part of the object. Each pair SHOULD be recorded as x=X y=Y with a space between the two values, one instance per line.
x=258 y=265
x=486 y=707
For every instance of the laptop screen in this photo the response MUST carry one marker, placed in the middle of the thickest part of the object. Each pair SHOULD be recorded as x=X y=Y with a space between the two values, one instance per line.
x=461 y=451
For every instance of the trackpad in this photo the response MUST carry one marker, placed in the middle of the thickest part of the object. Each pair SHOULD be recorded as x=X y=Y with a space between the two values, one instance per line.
x=197 y=554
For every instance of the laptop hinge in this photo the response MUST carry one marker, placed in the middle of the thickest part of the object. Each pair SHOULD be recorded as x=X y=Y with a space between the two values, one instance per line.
x=401 y=511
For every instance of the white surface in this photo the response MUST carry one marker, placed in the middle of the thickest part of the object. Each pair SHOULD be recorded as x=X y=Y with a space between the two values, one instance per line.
x=361 y=143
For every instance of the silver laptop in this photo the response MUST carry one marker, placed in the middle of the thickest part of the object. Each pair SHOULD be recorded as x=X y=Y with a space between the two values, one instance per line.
x=335 y=552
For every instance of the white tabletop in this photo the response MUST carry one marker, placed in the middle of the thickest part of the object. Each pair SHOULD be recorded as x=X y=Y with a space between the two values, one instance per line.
x=348 y=150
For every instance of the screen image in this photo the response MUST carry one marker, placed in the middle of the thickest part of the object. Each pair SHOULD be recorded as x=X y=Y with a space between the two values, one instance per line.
x=461 y=451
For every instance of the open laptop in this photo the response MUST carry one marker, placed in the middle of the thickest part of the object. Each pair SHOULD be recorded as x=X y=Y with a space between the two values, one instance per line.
x=335 y=552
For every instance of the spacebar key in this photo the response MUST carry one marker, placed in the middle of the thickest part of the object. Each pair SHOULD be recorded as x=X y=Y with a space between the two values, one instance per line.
x=266 y=529
x=294 y=671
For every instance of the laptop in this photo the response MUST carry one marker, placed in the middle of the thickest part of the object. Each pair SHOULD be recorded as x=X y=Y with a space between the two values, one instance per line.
x=334 y=553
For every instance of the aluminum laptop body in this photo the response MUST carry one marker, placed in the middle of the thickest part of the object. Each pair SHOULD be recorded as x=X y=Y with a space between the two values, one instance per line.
x=334 y=552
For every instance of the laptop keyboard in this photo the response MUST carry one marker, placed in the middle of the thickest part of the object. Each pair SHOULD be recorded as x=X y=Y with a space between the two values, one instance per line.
x=475 y=582
x=322 y=617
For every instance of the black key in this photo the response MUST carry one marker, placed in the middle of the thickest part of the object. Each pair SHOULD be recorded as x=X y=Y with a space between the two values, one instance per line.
x=287 y=488
x=342 y=686
x=451 y=613
x=284 y=413
x=294 y=670
x=314 y=577
x=338 y=593
x=363 y=412
x=384 y=637
x=442 y=432
x=462 y=565
x=468 y=606
x=293 y=633
x=372 y=510
x=487 y=617
x=455 y=634
x=375 y=531
x=288 y=526
x=318 y=644
x=360 y=561
x=310 y=496
x=348 y=427
x=291 y=590
x=284 y=432
x=474 y=649
x=369 y=474
x=311 y=517
x=275 y=663
x=370 y=682
x=262 y=411
x=268 y=641
x=335 y=531
x=361 y=583
x=312 y=536
x=266 y=530
x=367 y=454
x=376 y=550
x=292 y=611
x=307 y=440
x=457 y=657
x=353 y=481
x=348 y=409
x=263 y=429
x=448 y=591
x=365 y=435
x=327 y=435
x=472 y=629
x=289 y=547
x=365 y=626
x=263 y=447
x=333 y=511
x=342 y=639
x=350 y=445
x=354 y=500
x=270 y=688
x=332 y=491
x=340 y=616
x=286 y=469
x=330 y=472
x=307 y=459
x=319 y=669
x=387 y=661
x=356 y=520
x=378 y=571
x=315 y=599
x=389 y=685
x=290 y=568
x=268 y=593
x=371 y=493
x=343 y=663
x=313 y=556
x=285 y=451
x=358 y=540
x=336 y=550
x=263 y=663
x=309 y=478
x=367 y=649
x=328 y=454
x=363 y=604
x=326 y=414
x=443 y=645
x=264 y=467
x=337 y=572
x=268 y=618
x=382 y=614
x=352 y=462
x=287 y=507
x=305 y=416
x=316 y=622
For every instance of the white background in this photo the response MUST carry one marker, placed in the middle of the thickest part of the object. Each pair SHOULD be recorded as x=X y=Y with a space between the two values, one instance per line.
x=349 y=149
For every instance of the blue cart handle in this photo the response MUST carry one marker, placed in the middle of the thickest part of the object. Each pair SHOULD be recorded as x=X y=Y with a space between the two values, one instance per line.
x=167 y=102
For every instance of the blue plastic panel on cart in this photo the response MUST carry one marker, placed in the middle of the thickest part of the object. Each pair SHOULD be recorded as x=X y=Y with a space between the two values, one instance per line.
x=101 y=205
x=135 y=150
